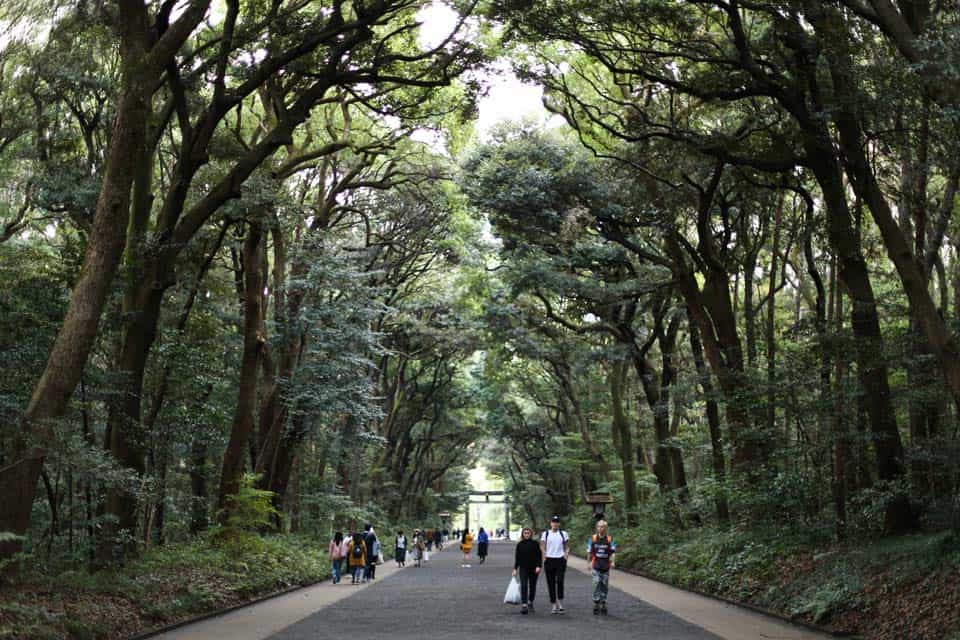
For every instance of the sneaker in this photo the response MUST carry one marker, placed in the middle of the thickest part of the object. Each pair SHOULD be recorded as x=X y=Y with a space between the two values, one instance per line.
x=603 y=609
x=596 y=609
x=531 y=607
x=554 y=611
x=560 y=608
x=524 y=610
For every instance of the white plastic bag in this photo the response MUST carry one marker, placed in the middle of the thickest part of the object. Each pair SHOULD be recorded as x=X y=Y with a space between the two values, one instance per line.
x=513 y=592
x=426 y=556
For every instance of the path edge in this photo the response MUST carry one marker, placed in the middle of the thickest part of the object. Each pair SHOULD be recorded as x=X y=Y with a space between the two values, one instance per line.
x=200 y=617
x=737 y=603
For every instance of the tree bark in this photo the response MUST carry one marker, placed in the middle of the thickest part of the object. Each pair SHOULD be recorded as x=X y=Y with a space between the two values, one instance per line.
x=865 y=322
x=621 y=427
x=142 y=59
x=909 y=266
x=713 y=313
x=253 y=340
x=713 y=421
x=771 y=323
x=841 y=439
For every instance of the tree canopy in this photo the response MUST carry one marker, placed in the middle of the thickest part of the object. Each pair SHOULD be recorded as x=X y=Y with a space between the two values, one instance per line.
x=261 y=245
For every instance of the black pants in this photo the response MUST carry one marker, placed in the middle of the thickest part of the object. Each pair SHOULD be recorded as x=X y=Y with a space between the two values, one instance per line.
x=555 y=568
x=528 y=584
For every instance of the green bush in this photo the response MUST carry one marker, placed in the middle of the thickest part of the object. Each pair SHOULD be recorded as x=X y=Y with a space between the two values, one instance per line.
x=251 y=511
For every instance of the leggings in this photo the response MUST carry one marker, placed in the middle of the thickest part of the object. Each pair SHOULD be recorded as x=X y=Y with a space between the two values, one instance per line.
x=528 y=584
x=555 y=568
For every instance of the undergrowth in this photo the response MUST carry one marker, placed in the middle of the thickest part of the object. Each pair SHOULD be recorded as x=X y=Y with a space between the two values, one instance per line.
x=845 y=586
x=165 y=585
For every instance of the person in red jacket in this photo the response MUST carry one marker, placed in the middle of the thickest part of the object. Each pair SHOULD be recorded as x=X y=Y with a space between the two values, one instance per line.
x=601 y=549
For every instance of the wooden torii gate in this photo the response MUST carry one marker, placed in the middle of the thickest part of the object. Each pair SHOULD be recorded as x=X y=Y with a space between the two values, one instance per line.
x=504 y=500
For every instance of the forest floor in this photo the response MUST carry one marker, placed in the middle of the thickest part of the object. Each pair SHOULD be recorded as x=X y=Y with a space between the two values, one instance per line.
x=165 y=586
x=892 y=589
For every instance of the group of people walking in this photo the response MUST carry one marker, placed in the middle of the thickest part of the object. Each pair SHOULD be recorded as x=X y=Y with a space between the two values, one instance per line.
x=417 y=548
x=466 y=545
x=550 y=556
x=361 y=551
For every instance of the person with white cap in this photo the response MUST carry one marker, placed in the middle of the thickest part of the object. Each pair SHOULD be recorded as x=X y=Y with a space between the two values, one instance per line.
x=555 y=546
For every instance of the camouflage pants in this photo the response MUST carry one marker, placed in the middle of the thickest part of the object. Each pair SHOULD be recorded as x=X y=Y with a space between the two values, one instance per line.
x=601 y=584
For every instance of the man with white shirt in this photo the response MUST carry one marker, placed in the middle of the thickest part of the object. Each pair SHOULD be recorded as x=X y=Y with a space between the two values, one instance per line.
x=555 y=546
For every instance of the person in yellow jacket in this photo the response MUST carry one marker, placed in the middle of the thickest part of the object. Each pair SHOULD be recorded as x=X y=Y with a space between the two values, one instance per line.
x=356 y=557
x=466 y=546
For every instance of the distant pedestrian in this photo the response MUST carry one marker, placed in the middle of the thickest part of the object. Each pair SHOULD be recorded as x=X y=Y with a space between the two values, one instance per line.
x=337 y=551
x=400 y=549
x=555 y=545
x=438 y=539
x=373 y=552
x=418 y=547
x=526 y=566
x=483 y=545
x=466 y=546
x=601 y=550
x=356 y=557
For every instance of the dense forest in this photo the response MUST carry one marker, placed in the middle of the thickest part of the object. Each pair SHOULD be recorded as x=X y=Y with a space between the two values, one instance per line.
x=263 y=278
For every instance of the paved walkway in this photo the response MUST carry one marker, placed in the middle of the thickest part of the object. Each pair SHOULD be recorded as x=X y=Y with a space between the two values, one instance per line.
x=443 y=601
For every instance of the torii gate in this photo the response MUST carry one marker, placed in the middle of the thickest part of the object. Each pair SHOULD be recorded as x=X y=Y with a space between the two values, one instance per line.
x=504 y=500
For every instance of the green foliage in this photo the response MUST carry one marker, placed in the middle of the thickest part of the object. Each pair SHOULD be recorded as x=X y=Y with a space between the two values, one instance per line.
x=250 y=511
x=165 y=585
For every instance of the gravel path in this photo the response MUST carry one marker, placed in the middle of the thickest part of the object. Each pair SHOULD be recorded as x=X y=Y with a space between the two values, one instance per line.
x=443 y=601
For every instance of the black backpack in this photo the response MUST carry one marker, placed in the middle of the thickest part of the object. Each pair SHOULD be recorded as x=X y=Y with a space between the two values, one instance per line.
x=547 y=532
x=358 y=550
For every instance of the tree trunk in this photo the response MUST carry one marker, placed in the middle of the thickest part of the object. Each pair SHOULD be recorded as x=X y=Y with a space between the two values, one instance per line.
x=841 y=440
x=865 y=323
x=18 y=480
x=198 y=485
x=125 y=436
x=749 y=310
x=668 y=375
x=771 y=325
x=713 y=421
x=621 y=426
x=712 y=311
x=253 y=340
x=909 y=267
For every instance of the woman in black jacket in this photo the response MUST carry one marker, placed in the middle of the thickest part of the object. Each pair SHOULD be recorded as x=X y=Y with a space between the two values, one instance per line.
x=526 y=565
